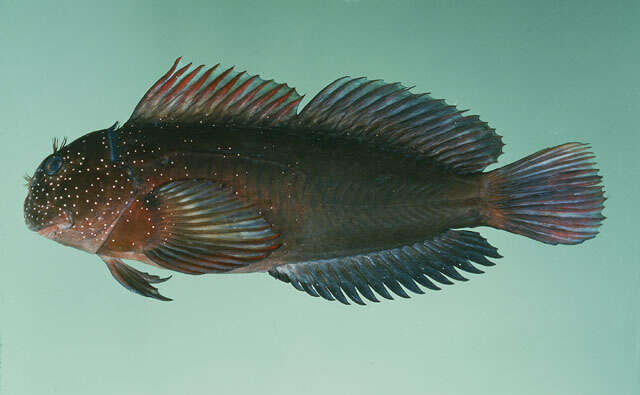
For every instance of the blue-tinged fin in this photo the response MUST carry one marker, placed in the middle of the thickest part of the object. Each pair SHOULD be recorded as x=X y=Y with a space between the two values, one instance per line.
x=425 y=264
x=203 y=227
x=215 y=95
x=388 y=115
x=135 y=280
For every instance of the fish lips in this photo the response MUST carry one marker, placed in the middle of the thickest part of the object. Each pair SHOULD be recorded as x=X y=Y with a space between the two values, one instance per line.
x=60 y=224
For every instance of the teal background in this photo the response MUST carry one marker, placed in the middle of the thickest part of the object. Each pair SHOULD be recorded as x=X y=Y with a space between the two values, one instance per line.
x=545 y=320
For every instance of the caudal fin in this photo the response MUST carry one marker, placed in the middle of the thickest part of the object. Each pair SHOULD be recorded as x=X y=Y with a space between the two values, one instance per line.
x=553 y=196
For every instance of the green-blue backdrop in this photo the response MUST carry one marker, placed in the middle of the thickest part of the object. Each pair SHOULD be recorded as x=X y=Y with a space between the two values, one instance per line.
x=545 y=320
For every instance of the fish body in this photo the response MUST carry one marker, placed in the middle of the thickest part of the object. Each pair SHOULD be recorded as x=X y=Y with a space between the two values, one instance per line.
x=361 y=191
x=323 y=198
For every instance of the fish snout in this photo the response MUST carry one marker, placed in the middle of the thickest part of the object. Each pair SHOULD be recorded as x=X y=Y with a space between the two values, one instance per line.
x=31 y=214
x=47 y=221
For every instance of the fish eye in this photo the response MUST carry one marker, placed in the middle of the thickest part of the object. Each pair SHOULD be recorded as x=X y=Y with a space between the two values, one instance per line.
x=52 y=165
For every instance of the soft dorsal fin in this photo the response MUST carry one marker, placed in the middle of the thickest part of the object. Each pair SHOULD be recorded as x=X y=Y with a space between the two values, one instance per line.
x=424 y=263
x=389 y=115
x=215 y=95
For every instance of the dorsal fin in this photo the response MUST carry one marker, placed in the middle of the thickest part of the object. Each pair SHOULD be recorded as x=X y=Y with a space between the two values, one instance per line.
x=375 y=112
x=389 y=115
x=215 y=95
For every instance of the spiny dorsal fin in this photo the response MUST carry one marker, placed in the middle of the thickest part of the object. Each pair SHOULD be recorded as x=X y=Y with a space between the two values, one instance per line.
x=395 y=269
x=389 y=115
x=215 y=95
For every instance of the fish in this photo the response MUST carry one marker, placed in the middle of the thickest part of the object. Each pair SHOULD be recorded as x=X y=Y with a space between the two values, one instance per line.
x=366 y=193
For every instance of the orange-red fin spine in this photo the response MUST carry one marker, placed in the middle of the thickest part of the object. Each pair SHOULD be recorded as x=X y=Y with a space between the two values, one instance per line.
x=215 y=96
x=219 y=95
x=195 y=88
x=267 y=111
x=226 y=103
x=288 y=110
x=174 y=94
x=257 y=105
x=155 y=86
x=160 y=94
x=241 y=104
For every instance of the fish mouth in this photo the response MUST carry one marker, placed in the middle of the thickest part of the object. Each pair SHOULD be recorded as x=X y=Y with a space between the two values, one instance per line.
x=61 y=224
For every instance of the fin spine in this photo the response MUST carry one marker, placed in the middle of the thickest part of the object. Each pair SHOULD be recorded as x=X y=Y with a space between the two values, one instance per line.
x=213 y=96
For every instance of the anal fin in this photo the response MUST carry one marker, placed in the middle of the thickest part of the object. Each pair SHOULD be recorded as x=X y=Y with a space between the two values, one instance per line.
x=425 y=263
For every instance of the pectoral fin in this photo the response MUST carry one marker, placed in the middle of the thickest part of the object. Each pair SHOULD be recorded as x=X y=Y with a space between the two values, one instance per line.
x=203 y=227
x=135 y=280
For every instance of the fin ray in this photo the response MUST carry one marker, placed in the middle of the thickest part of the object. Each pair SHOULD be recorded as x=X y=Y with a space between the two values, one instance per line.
x=371 y=111
x=554 y=196
x=388 y=114
x=203 y=227
x=390 y=270
x=135 y=280
x=213 y=96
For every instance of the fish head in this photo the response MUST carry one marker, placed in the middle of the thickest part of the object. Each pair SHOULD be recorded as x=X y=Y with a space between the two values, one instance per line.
x=77 y=193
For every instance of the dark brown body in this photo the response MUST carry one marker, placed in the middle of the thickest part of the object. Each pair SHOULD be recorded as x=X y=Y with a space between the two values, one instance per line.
x=325 y=196
x=358 y=192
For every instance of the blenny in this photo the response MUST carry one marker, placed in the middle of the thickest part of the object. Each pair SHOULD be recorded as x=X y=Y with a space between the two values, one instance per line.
x=359 y=195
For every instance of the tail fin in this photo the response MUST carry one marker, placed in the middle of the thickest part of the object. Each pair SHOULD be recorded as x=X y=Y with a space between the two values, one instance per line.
x=552 y=196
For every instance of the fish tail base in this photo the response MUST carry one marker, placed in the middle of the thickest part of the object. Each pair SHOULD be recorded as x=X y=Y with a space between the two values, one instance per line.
x=553 y=196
